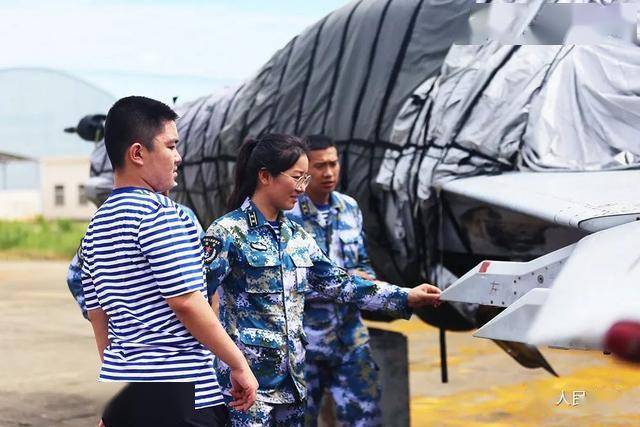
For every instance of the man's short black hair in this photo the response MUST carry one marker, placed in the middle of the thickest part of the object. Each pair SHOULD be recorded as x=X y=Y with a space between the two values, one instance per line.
x=318 y=142
x=133 y=119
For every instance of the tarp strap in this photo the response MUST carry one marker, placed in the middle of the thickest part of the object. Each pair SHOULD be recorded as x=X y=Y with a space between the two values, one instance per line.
x=274 y=106
x=187 y=137
x=467 y=113
x=310 y=68
x=365 y=83
x=245 y=119
x=184 y=155
x=216 y=146
x=397 y=66
x=560 y=55
x=336 y=70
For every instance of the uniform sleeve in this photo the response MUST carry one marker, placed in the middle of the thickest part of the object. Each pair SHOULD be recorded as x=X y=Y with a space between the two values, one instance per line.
x=88 y=290
x=334 y=283
x=74 y=282
x=218 y=256
x=173 y=252
x=364 y=263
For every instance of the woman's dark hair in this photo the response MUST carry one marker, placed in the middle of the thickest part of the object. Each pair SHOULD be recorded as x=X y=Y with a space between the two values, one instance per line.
x=274 y=152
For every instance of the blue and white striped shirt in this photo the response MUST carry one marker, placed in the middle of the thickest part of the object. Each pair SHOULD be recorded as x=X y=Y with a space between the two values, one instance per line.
x=139 y=250
x=275 y=226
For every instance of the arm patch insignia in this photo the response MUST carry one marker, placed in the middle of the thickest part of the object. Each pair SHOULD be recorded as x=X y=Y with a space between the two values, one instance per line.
x=211 y=246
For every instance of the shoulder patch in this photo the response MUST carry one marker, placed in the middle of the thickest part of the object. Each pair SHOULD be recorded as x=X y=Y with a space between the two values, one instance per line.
x=211 y=246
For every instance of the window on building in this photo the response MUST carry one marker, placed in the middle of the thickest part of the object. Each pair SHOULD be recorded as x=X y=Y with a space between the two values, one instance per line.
x=82 y=196
x=58 y=194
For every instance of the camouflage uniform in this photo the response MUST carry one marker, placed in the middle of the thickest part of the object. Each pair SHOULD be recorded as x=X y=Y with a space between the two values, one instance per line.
x=262 y=284
x=338 y=355
x=267 y=414
x=74 y=281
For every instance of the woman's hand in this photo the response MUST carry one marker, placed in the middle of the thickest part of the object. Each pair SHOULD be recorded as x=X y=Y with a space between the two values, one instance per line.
x=423 y=295
x=364 y=275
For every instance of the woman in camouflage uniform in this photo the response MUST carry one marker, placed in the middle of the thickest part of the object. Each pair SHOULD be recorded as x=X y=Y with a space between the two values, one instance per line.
x=262 y=264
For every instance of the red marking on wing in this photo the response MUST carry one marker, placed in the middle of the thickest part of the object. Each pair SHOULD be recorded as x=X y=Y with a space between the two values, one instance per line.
x=484 y=266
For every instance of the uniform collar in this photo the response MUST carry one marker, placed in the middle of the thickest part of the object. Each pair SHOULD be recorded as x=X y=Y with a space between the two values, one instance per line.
x=255 y=218
x=336 y=202
x=309 y=209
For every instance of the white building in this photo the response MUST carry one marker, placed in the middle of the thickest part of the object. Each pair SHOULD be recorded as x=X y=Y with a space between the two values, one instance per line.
x=61 y=192
x=62 y=187
x=20 y=204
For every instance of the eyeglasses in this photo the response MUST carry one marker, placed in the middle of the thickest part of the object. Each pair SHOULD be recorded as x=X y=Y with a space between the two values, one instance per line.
x=302 y=182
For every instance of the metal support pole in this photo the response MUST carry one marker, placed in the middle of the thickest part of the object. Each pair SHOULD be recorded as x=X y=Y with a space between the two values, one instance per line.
x=443 y=356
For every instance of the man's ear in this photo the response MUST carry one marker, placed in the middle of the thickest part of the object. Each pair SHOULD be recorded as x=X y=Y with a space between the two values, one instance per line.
x=264 y=177
x=135 y=153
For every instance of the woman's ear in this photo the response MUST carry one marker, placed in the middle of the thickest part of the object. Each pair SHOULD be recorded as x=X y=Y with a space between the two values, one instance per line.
x=135 y=153
x=264 y=177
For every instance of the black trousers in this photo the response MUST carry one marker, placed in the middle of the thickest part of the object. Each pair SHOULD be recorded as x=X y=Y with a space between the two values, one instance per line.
x=156 y=404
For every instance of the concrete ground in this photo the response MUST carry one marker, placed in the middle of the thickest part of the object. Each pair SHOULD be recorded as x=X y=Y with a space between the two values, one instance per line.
x=48 y=368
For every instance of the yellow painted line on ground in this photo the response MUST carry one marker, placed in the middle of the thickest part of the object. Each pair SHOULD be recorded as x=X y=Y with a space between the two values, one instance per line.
x=611 y=398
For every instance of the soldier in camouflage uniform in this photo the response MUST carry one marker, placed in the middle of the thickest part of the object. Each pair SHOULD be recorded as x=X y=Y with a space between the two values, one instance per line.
x=338 y=355
x=262 y=264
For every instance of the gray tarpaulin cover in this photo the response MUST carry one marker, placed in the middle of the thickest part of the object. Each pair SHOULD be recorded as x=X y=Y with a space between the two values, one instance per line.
x=410 y=110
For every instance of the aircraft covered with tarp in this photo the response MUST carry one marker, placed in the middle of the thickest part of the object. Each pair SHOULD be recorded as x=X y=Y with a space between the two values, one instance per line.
x=412 y=106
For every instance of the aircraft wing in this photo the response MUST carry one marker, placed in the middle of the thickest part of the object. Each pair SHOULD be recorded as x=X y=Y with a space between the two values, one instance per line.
x=598 y=286
x=590 y=201
x=570 y=297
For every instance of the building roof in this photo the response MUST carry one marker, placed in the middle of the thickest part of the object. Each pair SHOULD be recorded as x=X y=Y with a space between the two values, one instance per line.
x=8 y=157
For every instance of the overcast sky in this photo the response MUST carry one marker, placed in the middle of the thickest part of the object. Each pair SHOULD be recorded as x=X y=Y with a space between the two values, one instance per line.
x=222 y=39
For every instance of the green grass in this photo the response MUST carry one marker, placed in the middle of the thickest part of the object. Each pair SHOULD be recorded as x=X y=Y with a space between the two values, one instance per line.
x=40 y=239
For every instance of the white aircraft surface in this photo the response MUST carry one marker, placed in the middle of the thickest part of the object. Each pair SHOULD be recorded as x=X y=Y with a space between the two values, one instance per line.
x=573 y=296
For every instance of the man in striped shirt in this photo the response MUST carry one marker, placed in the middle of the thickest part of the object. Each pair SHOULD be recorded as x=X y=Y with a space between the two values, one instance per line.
x=143 y=283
